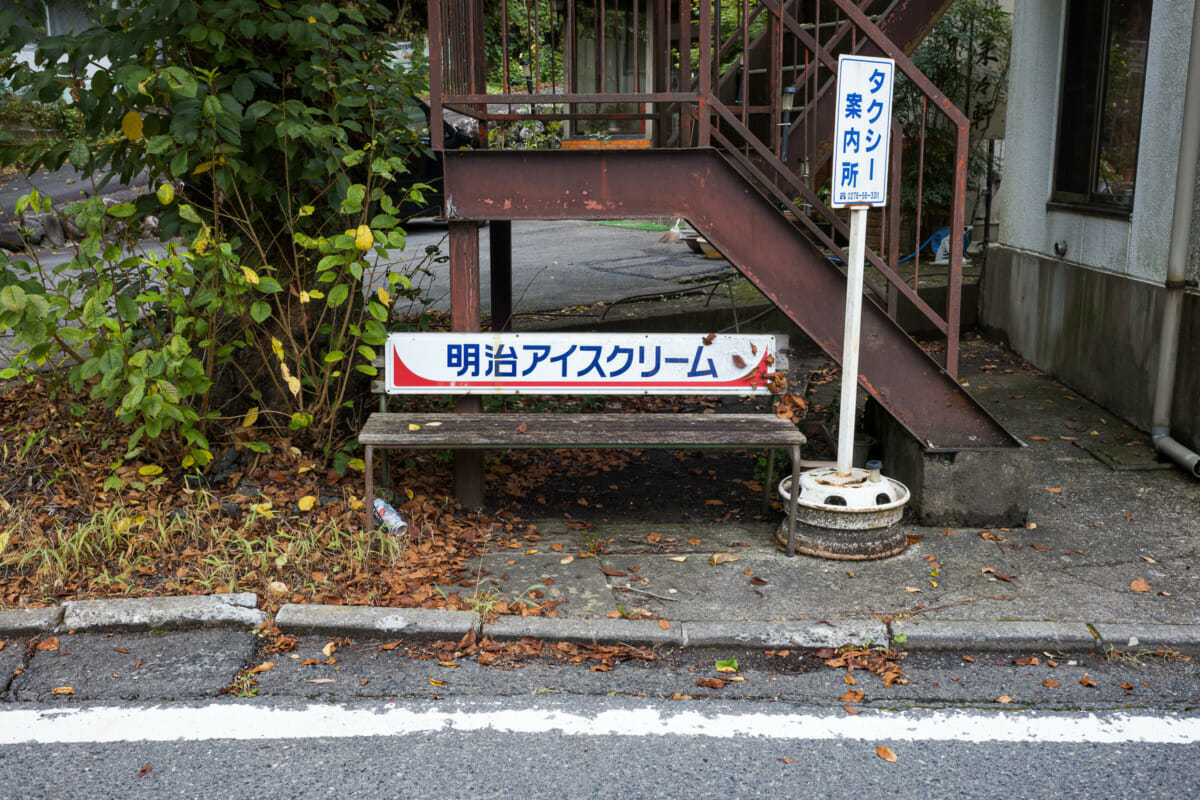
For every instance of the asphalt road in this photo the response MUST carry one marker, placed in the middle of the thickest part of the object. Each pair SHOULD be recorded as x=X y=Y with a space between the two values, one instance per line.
x=369 y=722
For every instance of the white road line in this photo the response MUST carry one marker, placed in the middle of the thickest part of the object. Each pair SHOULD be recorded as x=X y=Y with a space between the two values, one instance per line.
x=234 y=722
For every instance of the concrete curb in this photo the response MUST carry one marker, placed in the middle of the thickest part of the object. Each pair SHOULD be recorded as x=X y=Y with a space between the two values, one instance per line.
x=417 y=623
x=585 y=631
x=925 y=635
x=1129 y=638
x=784 y=634
x=151 y=613
x=27 y=622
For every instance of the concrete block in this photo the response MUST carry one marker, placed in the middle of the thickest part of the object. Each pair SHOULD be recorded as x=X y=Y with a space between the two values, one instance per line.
x=585 y=631
x=789 y=633
x=409 y=623
x=991 y=635
x=224 y=610
x=965 y=488
x=26 y=622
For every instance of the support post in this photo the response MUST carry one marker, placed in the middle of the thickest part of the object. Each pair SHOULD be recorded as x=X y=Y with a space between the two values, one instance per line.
x=500 y=249
x=850 y=340
x=464 y=316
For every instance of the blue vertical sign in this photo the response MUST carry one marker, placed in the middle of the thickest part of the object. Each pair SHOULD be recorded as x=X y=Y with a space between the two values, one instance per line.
x=862 y=131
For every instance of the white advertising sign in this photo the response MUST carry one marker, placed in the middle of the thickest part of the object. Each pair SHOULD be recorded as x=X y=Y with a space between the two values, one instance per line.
x=862 y=131
x=577 y=363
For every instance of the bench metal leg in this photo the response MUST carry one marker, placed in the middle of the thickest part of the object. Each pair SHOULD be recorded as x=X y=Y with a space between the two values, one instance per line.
x=369 y=499
x=795 y=499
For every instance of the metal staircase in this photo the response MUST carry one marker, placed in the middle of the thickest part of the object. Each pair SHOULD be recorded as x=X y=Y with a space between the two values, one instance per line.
x=744 y=170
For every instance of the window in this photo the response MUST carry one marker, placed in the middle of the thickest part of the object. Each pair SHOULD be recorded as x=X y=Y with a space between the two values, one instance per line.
x=1100 y=105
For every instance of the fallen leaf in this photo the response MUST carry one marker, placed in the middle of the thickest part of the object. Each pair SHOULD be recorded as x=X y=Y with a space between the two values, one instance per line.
x=786 y=760
x=121 y=650
x=329 y=649
x=1139 y=585
x=757 y=581
x=849 y=680
x=968 y=658
x=435 y=682
x=886 y=753
x=694 y=542
x=853 y=696
x=566 y=559
x=677 y=558
x=1039 y=438
x=1032 y=661
x=1086 y=681
x=913 y=538
x=662 y=623
x=678 y=696
x=307 y=502
x=710 y=683
x=1003 y=699
x=263 y=667
x=144 y=771
x=412 y=426
x=1149 y=560
x=46 y=645
x=913 y=590
x=62 y=690
x=739 y=362
x=723 y=558
x=1054 y=489
x=1125 y=686
x=1041 y=548
x=714 y=502
x=1050 y=683
x=612 y=573
x=448 y=664
x=852 y=710
x=320 y=680
x=729 y=665
x=522 y=428
x=709 y=339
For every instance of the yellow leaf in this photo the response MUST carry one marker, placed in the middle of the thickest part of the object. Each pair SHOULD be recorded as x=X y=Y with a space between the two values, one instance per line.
x=412 y=426
x=251 y=275
x=433 y=682
x=383 y=295
x=206 y=166
x=251 y=417
x=448 y=664
x=62 y=690
x=150 y=469
x=307 y=502
x=277 y=348
x=676 y=558
x=131 y=125
x=329 y=649
x=886 y=753
x=264 y=510
x=723 y=558
x=305 y=297
x=165 y=193
x=294 y=385
x=263 y=667
x=363 y=238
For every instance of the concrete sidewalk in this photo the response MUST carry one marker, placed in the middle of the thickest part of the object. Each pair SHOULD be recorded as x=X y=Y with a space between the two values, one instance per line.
x=1107 y=559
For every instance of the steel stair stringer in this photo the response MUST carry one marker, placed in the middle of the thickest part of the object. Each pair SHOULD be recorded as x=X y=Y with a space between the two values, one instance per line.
x=700 y=186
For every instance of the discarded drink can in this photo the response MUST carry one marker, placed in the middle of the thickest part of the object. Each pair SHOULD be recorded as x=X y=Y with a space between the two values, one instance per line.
x=389 y=518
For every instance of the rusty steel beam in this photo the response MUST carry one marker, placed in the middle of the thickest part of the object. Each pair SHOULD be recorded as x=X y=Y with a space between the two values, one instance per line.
x=464 y=316
x=702 y=187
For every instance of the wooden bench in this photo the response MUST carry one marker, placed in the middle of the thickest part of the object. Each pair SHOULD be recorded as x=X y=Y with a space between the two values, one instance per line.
x=505 y=431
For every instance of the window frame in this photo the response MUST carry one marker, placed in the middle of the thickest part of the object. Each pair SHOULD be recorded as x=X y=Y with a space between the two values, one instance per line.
x=1089 y=201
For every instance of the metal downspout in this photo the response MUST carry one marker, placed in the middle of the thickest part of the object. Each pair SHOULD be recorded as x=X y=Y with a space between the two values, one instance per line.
x=1185 y=189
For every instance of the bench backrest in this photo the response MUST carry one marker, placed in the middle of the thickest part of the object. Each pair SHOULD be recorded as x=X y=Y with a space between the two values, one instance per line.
x=580 y=363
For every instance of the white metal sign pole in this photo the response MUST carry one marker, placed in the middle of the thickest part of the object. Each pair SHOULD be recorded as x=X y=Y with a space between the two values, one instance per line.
x=860 y=158
x=850 y=339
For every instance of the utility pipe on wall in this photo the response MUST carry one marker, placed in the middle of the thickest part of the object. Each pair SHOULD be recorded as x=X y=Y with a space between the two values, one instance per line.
x=1185 y=195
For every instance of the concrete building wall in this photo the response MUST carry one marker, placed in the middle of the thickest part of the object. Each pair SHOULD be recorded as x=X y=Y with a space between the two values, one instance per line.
x=1092 y=316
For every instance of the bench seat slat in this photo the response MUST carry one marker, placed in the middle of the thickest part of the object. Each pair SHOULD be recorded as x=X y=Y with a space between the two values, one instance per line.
x=577 y=430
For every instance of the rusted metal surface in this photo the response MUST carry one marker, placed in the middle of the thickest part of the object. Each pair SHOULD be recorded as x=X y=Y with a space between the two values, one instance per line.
x=700 y=186
x=464 y=316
